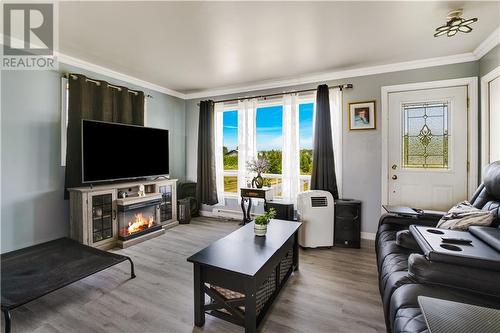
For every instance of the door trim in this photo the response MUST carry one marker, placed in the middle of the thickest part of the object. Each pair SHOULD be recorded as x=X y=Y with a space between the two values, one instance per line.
x=485 y=116
x=472 y=127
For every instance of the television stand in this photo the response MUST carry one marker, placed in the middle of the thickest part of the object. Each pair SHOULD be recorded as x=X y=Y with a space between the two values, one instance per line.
x=110 y=215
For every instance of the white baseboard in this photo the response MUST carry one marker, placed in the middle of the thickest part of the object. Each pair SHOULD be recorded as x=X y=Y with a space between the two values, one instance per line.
x=232 y=214
x=368 y=235
x=206 y=213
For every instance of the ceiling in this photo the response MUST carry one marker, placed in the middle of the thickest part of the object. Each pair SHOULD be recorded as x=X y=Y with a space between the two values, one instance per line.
x=196 y=46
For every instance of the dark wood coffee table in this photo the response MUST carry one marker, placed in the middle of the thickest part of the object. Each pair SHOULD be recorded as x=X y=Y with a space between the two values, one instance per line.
x=242 y=273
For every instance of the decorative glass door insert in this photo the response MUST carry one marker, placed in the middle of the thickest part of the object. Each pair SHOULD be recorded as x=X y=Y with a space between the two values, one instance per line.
x=425 y=135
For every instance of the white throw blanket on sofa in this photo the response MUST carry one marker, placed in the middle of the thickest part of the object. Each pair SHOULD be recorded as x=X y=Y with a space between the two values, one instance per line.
x=464 y=215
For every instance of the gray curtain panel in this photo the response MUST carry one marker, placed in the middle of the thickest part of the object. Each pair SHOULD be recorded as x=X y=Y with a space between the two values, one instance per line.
x=88 y=100
x=206 y=187
x=323 y=170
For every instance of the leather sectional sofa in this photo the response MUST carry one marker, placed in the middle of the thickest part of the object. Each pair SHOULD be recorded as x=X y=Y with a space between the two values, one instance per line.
x=405 y=273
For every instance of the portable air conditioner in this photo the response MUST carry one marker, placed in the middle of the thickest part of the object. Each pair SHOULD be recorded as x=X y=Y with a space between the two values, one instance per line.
x=315 y=210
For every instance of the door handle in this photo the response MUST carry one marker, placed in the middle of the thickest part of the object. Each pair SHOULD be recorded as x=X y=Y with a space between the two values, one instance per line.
x=394 y=177
x=394 y=167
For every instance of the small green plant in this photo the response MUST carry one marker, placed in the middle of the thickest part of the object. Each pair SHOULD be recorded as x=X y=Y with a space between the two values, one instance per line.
x=264 y=219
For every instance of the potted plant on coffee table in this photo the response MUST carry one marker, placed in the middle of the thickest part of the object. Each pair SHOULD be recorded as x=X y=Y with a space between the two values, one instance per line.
x=261 y=222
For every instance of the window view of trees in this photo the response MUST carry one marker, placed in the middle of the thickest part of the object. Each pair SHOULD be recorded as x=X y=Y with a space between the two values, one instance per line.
x=306 y=113
x=230 y=158
x=230 y=150
x=269 y=139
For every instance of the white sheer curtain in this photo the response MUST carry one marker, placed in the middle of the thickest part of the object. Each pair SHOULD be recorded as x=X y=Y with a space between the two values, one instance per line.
x=291 y=151
x=336 y=122
x=219 y=158
x=247 y=149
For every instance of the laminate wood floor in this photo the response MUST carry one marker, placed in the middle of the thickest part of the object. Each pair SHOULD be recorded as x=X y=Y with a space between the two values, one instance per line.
x=335 y=290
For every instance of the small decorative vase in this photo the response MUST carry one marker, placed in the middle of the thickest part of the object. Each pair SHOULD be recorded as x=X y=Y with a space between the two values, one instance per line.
x=258 y=181
x=260 y=229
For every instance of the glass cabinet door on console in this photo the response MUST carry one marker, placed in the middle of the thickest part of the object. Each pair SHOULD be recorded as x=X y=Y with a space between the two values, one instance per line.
x=168 y=206
x=102 y=215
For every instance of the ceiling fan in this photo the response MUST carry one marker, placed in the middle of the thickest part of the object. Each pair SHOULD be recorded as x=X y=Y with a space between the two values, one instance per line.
x=455 y=24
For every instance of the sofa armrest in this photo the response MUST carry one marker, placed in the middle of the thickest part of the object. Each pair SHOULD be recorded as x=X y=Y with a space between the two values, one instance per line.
x=462 y=277
x=429 y=220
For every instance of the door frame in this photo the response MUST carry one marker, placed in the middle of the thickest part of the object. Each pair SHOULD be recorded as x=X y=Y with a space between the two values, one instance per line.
x=485 y=115
x=472 y=126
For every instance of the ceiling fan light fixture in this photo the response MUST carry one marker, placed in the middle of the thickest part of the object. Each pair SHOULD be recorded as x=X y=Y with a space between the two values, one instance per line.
x=440 y=33
x=465 y=28
x=455 y=24
x=469 y=21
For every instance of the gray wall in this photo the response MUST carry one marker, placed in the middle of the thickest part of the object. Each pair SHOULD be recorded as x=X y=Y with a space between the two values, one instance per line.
x=489 y=61
x=361 y=150
x=32 y=180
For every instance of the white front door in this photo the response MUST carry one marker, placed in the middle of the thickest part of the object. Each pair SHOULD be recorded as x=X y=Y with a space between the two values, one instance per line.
x=427 y=156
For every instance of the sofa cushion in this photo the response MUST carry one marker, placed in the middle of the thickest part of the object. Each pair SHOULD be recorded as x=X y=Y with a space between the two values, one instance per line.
x=390 y=250
x=492 y=179
x=394 y=262
x=410 y=320
x=405 y=239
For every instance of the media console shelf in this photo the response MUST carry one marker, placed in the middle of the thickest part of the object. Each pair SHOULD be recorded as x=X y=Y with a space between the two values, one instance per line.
x=110 y=215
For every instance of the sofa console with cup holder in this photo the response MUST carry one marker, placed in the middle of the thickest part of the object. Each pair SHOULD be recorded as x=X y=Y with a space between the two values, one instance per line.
x=415 y=259
x=456 y=247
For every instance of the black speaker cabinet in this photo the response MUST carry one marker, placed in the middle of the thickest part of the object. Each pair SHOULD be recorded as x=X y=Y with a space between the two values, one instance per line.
x=347 y=223
x=284 y=210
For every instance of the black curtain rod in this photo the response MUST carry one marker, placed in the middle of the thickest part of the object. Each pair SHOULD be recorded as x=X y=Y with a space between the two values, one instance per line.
x=340 y=86
x=68 y=75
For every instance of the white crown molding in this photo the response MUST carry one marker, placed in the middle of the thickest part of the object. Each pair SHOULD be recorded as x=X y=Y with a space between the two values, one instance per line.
x=72 y=61
x=336 y=75
x=489 y=43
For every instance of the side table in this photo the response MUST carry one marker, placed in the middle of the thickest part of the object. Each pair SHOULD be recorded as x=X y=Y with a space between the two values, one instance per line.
x=247 y=194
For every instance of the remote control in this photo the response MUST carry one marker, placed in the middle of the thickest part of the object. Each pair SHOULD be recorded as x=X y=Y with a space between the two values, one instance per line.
x=450 y=240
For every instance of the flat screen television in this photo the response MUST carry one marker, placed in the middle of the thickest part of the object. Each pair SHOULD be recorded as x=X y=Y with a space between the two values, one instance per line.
x=112 y=151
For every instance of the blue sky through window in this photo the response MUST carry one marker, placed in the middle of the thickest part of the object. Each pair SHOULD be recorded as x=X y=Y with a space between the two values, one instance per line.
x=269 y=128
x=306 y=112
x=269 y=123
x=230 y=134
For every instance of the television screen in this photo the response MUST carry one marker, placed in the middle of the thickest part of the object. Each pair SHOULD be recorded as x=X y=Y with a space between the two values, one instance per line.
x=112 y=151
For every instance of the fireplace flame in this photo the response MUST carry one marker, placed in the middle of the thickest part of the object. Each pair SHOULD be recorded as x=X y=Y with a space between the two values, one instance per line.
x=140 y=223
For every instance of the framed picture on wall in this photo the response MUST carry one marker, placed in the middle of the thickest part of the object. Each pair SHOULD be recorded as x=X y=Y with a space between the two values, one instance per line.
x=362 y=115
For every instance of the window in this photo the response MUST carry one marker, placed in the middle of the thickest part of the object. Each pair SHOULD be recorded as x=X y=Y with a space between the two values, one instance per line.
x=425 y=136
x=274 y=128
x=230 y=150
x=306 y=115
x=269 y=142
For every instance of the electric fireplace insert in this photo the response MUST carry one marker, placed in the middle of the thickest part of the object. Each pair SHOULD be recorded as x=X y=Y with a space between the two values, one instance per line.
x=137 y=219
